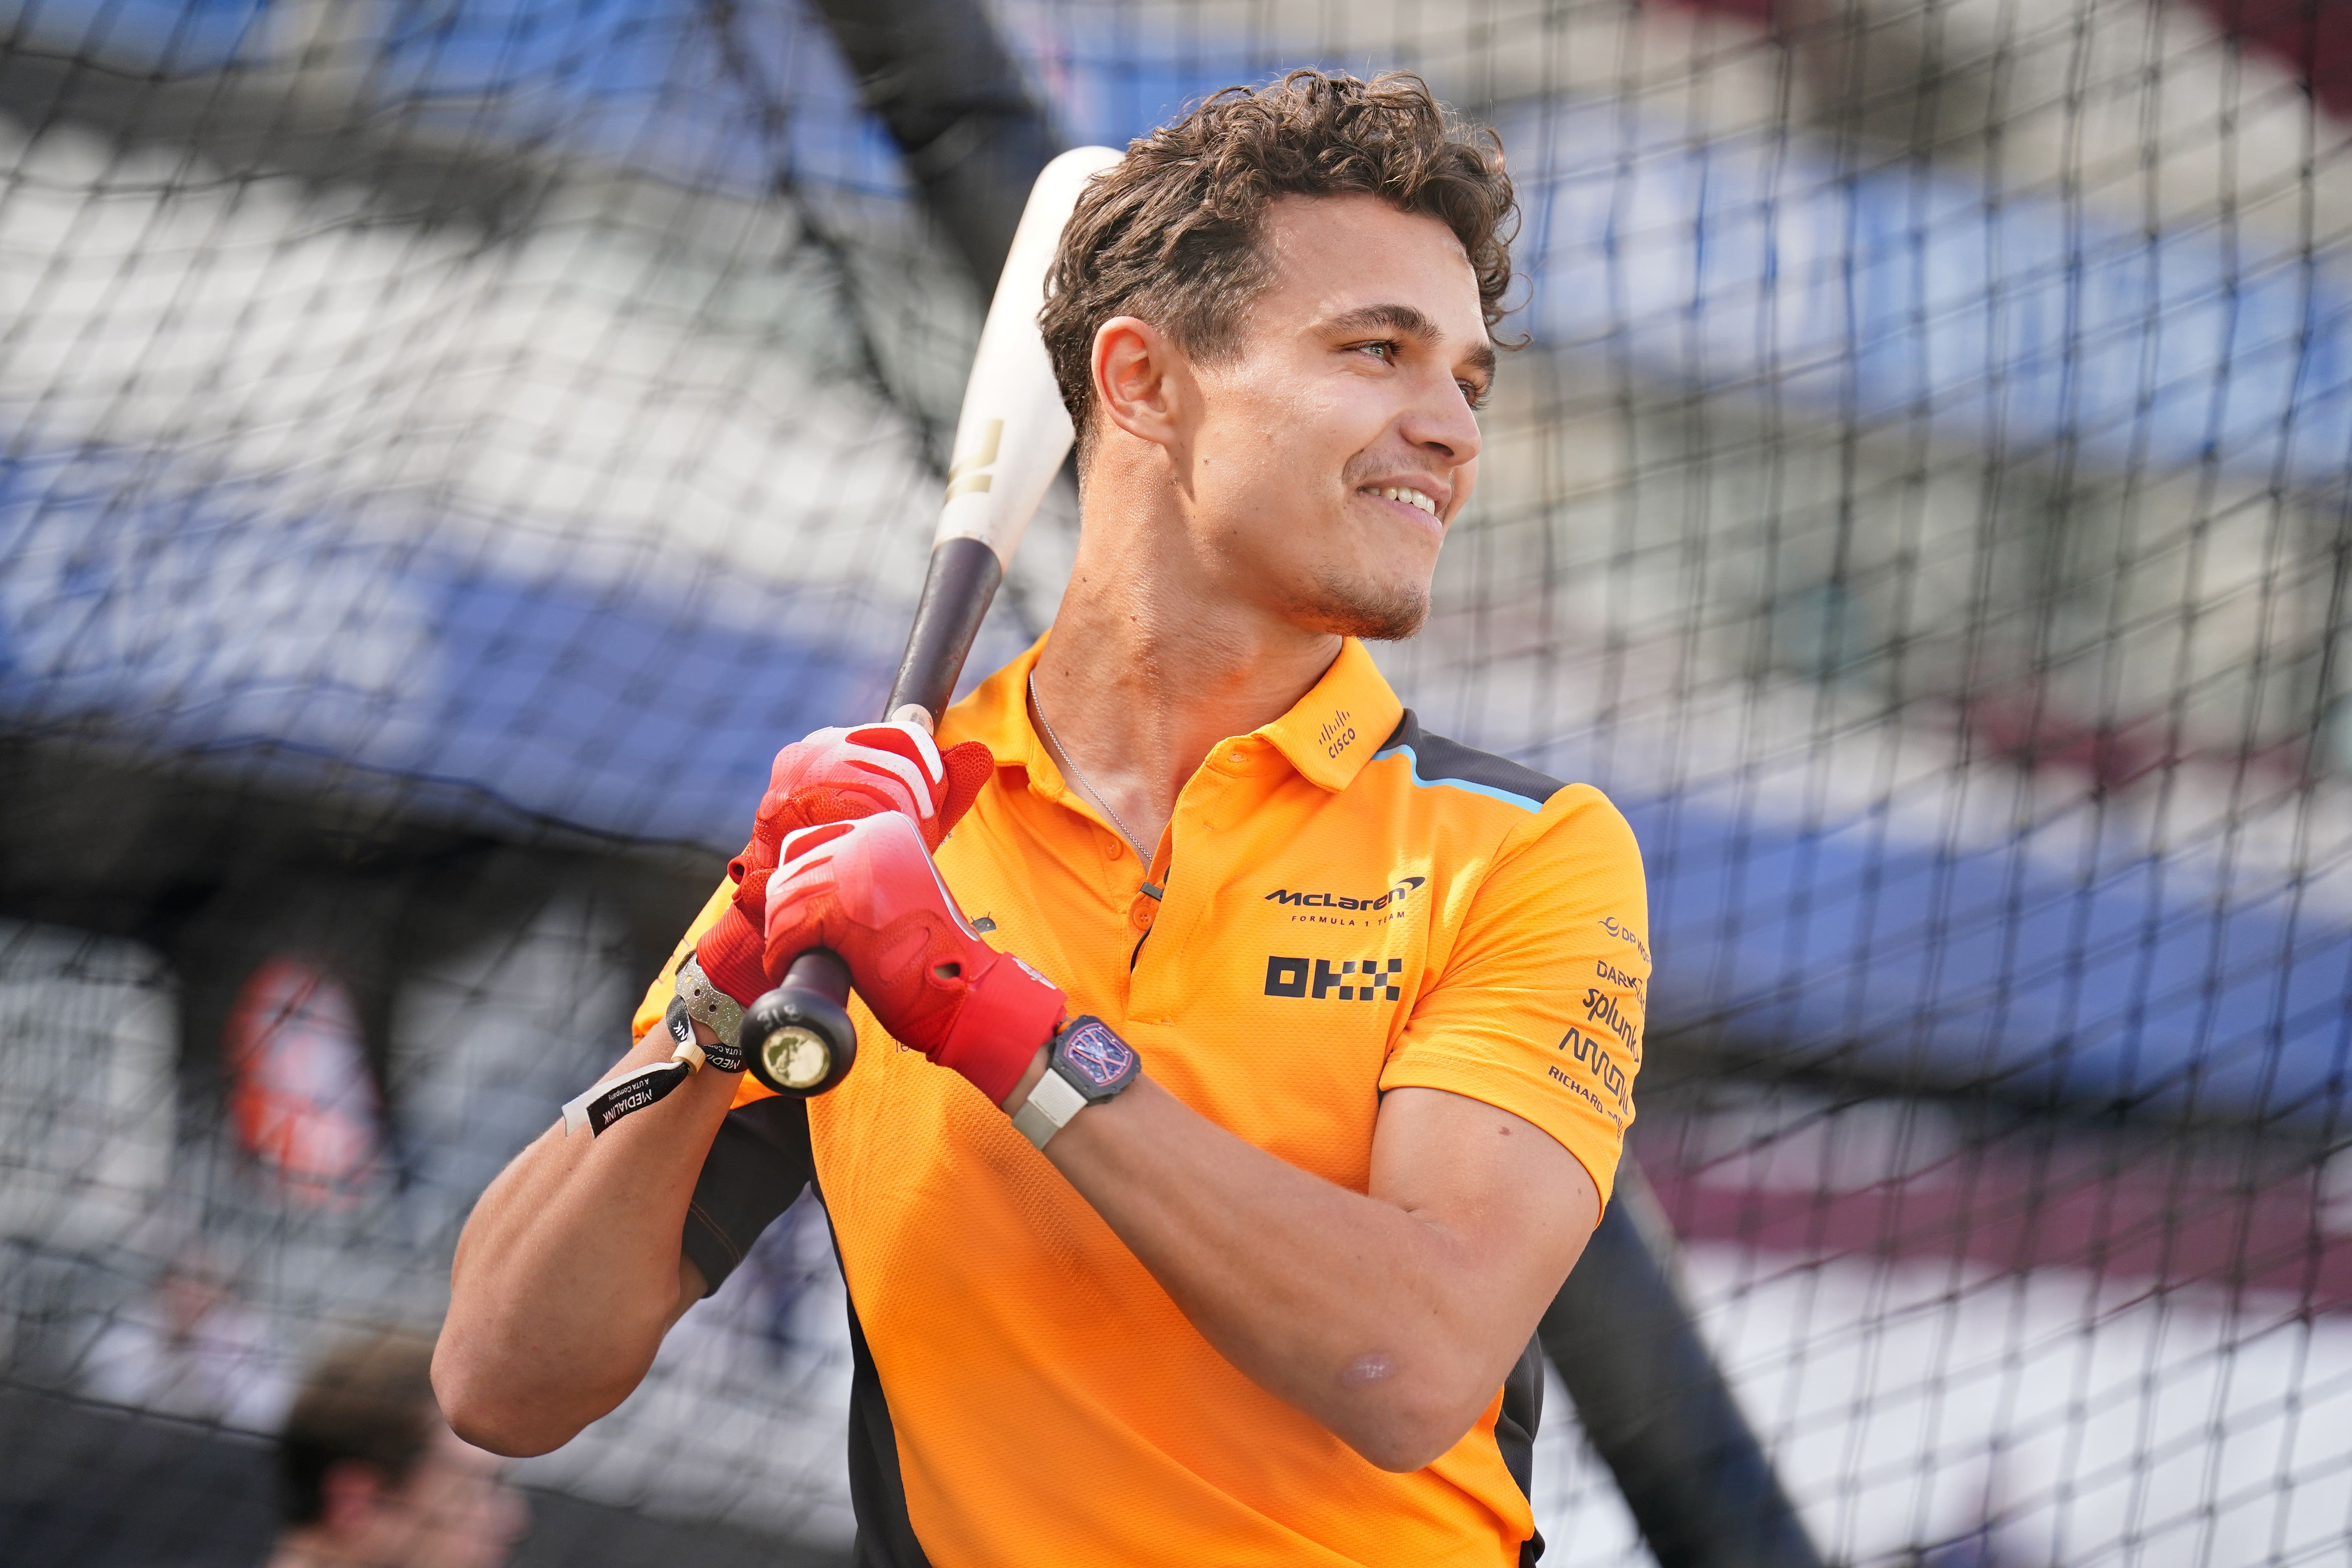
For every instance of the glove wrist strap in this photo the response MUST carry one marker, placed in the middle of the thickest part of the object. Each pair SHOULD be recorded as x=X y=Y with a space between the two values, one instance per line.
x=728 y=957
x=1009 y=1013
x=723 y=1014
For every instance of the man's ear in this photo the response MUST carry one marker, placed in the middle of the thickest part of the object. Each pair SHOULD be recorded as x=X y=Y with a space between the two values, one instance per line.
x=1143 y=381
x=350 y=1495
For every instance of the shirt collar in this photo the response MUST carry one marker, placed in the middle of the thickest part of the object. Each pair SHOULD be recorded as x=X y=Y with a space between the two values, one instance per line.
x=1328 y=736
x=1332 y=732
x=997 y=715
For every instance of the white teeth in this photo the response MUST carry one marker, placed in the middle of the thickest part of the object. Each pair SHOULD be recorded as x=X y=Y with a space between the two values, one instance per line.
x=1412 y=497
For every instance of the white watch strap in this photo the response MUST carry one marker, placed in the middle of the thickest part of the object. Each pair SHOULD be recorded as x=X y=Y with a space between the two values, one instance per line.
x=1049 y=1107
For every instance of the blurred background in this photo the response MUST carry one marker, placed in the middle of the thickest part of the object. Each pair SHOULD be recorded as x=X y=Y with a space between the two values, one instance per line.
x=446 y=446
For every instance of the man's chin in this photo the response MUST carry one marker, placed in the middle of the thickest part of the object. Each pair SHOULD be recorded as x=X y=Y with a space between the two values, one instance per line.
x=1360 y=610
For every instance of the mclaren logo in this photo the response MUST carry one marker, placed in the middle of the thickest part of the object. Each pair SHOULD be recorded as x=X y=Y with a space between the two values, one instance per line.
x=1397 y=894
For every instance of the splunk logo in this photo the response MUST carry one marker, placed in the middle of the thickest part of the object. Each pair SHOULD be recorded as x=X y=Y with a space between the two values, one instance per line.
x=1601 y=1007
x=1397 y=894
x=1355 y=980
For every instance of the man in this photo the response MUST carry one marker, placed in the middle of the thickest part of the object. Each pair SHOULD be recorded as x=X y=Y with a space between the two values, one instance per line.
x=1270 y=1297
x=371 y=1476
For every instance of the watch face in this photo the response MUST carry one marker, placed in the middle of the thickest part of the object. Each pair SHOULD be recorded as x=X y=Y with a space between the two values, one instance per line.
x=1096 y=1055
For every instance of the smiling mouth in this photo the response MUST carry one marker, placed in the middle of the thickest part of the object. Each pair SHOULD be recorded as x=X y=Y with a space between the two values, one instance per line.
x=1405 y=493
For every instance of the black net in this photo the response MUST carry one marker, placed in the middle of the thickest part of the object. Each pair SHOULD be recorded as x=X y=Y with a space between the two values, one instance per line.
x=446 y=448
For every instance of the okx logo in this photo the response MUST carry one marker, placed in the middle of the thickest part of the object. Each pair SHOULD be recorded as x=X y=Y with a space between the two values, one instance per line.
x=1355 y=980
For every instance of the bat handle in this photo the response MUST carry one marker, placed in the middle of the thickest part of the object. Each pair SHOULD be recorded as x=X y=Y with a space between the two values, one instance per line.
x=798 y=1039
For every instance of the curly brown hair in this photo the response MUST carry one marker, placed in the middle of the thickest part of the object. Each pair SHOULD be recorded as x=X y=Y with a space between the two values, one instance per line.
x=1169 y=233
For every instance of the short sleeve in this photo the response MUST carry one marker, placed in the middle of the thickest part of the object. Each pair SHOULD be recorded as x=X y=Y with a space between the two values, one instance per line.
x=1540 y=1006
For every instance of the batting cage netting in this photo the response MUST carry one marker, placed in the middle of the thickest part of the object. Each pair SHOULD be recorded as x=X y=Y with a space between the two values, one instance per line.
x=447 y=446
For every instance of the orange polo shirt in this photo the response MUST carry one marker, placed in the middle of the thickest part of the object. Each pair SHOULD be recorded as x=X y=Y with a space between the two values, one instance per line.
x=1350 y=905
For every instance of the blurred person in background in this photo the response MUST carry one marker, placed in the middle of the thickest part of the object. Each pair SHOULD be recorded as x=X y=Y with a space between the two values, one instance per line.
x=371 y=1476
x=193 y=1348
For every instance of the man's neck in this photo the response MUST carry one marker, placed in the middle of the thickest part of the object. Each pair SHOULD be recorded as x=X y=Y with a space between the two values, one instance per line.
x=1149 y=668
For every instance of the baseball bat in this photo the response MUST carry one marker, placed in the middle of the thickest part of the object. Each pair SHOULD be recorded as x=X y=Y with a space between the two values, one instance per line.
x=1012 y=435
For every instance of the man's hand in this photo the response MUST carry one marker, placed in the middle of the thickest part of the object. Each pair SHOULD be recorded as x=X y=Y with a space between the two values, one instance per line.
x=836 y=775
x=840 y=775
x=868 y=891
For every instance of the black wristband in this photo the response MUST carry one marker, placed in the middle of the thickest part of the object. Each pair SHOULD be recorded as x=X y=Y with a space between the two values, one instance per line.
x=632 y=1091
x=627 y=1095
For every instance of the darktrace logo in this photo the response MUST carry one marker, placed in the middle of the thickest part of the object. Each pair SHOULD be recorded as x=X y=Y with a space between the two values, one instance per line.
x=1402 y=889
x=1616 y=976
x=1355 y=980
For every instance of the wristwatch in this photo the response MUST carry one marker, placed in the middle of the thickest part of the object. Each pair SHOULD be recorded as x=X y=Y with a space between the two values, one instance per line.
x=1089 y=1065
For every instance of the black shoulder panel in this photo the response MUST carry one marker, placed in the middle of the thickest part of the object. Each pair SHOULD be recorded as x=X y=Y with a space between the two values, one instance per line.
x=877 y=1491
x=757 y=1166
x=1515 y=1432
x=1438 y=760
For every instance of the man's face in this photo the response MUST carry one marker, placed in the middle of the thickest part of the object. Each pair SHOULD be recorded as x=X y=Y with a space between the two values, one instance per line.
x=453 y=1509
x=1337 y=444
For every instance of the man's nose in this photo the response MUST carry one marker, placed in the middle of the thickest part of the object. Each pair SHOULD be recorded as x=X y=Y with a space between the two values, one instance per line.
x=1441 y=422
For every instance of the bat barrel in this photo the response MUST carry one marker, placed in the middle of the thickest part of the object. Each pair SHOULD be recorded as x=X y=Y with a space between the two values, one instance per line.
x=1013 y=438
x=798 y=1039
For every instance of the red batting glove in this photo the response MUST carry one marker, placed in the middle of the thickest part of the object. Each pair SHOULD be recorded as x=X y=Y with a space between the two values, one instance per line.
x=839 y=776
x=868 y=890
x=836 y=775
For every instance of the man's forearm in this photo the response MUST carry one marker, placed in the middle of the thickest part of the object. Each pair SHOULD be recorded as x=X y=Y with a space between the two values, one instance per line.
x=569 y=1271
x=1391 y=1329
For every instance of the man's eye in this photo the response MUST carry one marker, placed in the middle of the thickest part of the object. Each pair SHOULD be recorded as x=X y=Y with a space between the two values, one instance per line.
x=1386 y=351
x=1473 y=394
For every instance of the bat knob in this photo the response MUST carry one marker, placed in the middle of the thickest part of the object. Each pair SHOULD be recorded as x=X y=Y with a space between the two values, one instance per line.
x=798 y=1039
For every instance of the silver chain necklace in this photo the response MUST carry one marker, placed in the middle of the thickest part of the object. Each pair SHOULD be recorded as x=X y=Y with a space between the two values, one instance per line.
x=1061 y=755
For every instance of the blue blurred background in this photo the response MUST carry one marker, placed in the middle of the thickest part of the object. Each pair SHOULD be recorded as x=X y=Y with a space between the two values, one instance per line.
x=448 y=447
